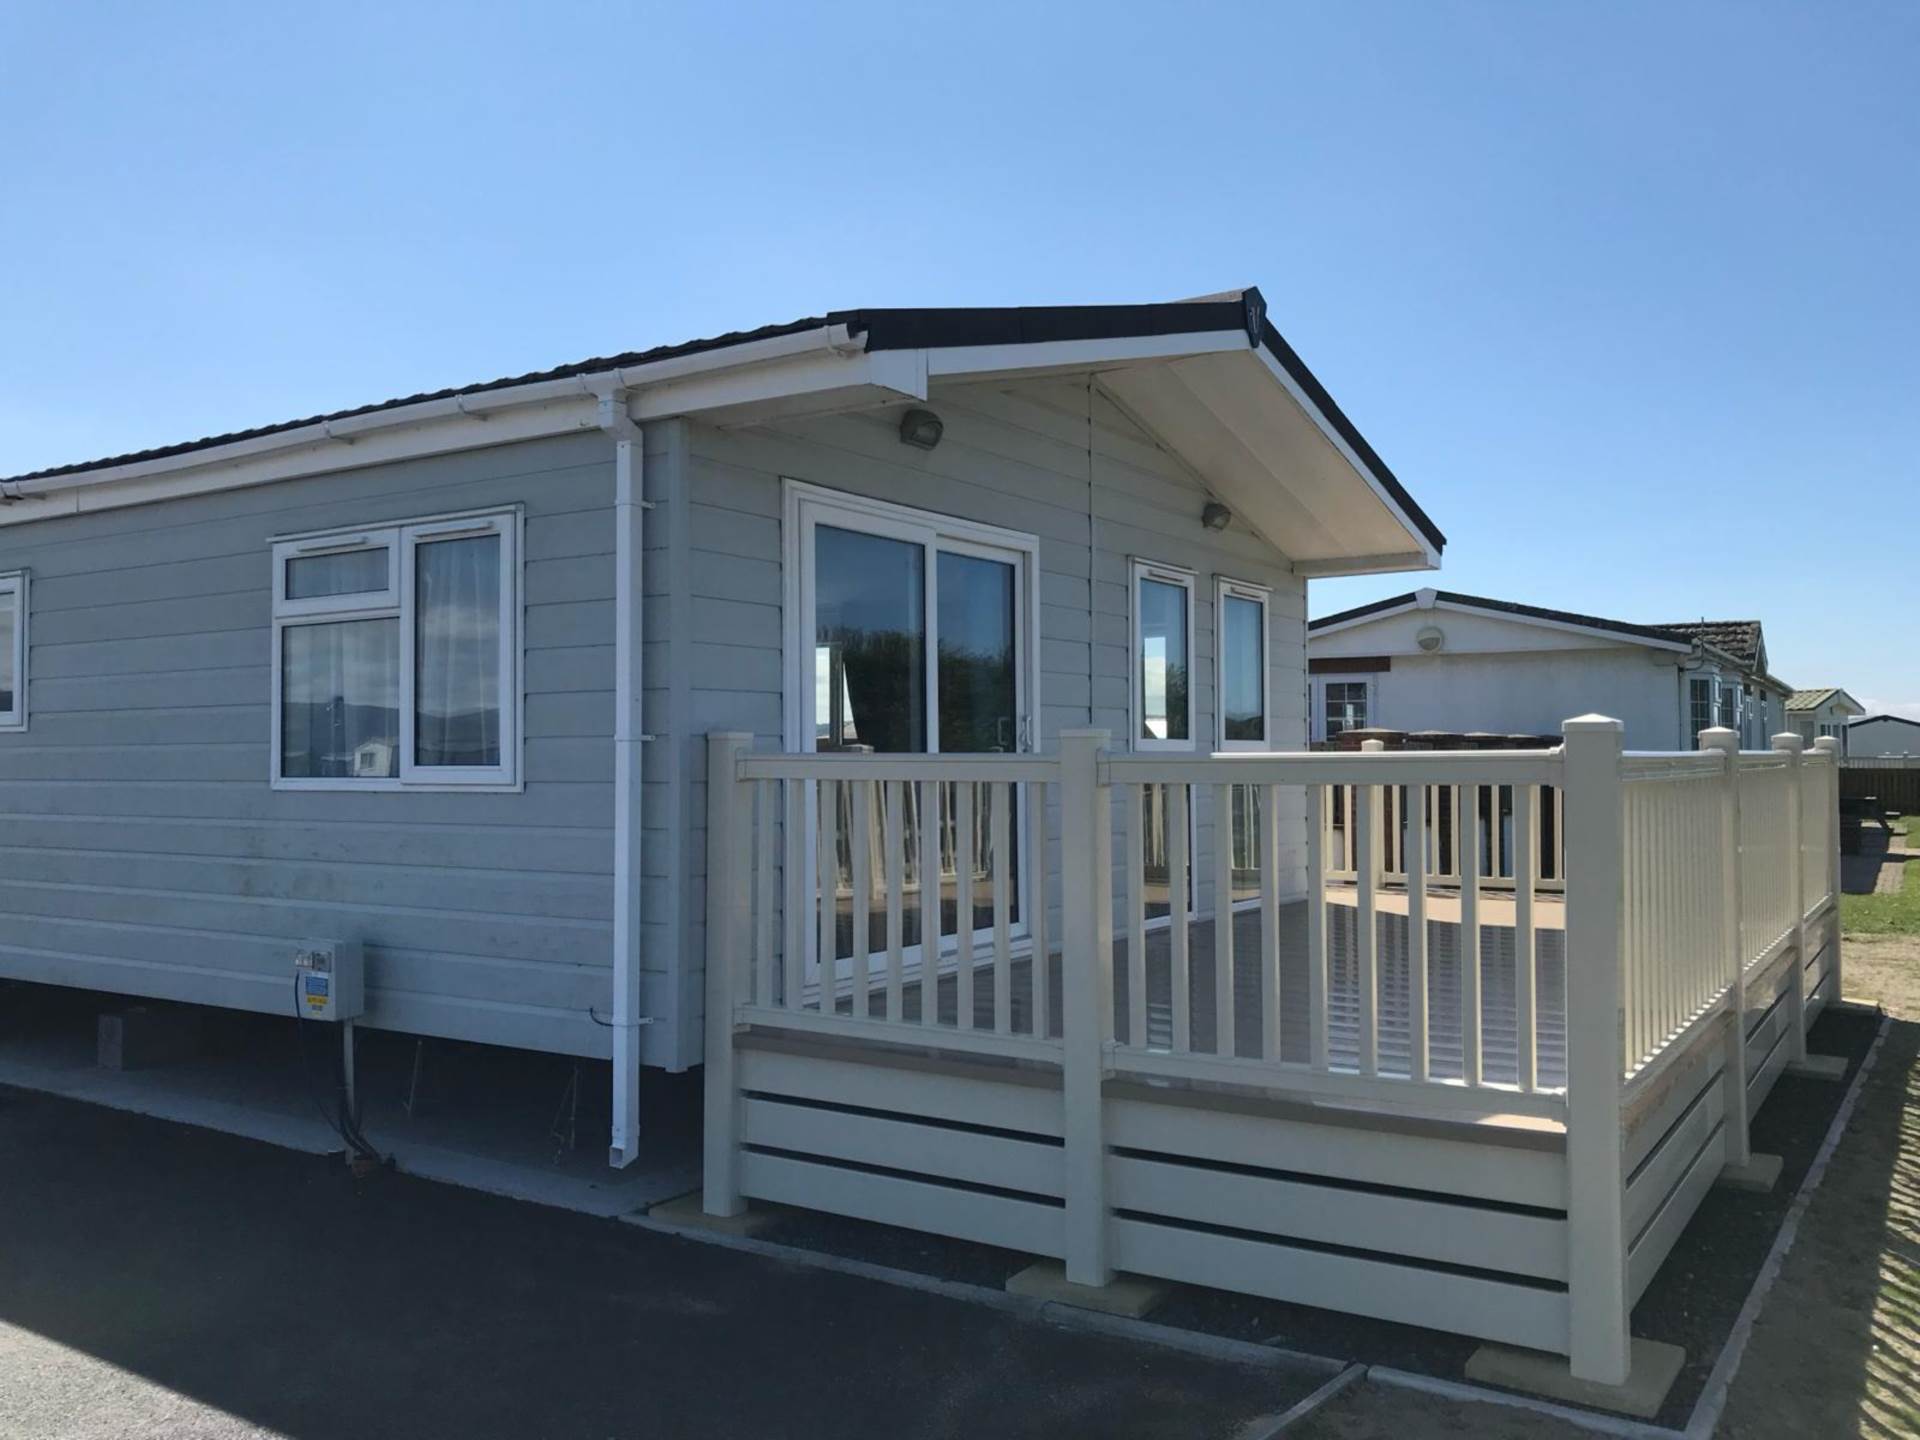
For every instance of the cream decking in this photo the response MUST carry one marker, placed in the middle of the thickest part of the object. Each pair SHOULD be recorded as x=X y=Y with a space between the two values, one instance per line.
x=1443 y=987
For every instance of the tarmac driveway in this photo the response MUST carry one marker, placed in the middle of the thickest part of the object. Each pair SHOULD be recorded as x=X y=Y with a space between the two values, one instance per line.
x=158 y=1280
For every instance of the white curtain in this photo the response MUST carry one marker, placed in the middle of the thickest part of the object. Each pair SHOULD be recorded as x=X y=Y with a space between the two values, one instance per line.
x=457 y=652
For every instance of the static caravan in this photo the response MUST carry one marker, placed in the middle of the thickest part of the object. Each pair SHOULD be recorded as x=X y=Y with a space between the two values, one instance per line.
x=1435 y=660
x=432 y=677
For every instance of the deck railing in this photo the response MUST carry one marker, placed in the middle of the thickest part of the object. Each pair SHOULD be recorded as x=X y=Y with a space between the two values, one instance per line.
x=1477 y=935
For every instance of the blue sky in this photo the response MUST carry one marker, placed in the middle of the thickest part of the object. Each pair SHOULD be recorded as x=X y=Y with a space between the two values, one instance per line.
x=1626 y=293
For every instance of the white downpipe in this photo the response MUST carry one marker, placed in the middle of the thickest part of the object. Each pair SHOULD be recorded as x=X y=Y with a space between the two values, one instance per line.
x=629 y=518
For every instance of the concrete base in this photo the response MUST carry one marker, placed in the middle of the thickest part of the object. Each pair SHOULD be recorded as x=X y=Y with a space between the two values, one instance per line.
x=1758 y=1176
x=1126 y=1295
x=1818 y=1067
x=145 y=1035
x=1652 y=1369
x=685 y=1210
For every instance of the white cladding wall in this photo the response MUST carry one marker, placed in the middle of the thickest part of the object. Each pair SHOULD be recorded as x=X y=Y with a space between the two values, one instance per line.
x=1052 y=459
x=143 y=851
x=1533 y=693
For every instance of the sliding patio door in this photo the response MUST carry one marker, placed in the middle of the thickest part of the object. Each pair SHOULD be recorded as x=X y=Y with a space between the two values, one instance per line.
x=914 y=637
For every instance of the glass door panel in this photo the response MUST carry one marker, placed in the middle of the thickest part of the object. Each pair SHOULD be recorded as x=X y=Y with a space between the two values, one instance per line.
x=977 y=681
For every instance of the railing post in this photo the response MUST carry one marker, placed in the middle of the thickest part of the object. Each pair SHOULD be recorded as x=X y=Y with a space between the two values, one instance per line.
x=729 y=826
x=1831 y=745
x=1791 y=746
x=1739 y=1143
x=1597 y=1301
x=1086 y=996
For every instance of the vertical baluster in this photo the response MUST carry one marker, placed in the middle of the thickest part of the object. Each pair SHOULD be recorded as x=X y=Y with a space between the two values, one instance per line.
x=930 y=884
x=1526 y=803
x=1177 y=913
x=1033 y=905
x=1223 y=920
x=963 y=901
x=859 y=803
x=1365 y=929
x=1318 y=797
x=793 y=829
x=1000 y=796
x=1418 y=1025
x=1470 y=1018
x=763 y=875
x=827 y=858
x=893 y=840
x=1269 y=920
x=1137 y=916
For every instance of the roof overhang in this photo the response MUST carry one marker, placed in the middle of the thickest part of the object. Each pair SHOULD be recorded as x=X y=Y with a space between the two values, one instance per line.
x=1211 y=380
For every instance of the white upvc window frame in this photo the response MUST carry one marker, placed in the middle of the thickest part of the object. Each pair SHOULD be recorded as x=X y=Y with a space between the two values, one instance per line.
x=807 y=505
x=1139 y=571
x=1317 y=699
x=1225 y=589
x=396 y=601
x=14 y=583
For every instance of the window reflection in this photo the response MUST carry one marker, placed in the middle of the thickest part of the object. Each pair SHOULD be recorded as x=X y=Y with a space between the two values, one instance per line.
x=1163 y=661
x=869 y=642
x=340 y=700
x=1243 y=706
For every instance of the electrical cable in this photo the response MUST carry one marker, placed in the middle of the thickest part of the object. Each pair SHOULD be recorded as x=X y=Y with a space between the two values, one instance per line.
x=343 y=1122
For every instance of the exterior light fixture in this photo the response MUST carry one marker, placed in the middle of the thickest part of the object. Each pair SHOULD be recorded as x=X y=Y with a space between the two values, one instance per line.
x=921 y=429
x=1431 y=638
x=1216 y=516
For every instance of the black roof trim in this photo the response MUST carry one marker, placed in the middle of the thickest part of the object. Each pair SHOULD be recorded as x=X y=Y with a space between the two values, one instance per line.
x=1896 y=719
x=902 y=329
x=1503 y=607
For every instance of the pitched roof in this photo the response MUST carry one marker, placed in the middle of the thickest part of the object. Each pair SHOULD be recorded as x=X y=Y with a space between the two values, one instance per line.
x=906 y=329
x=1876 y=719
x=1811 y=699
x=1659 y=633
x=1738 y=638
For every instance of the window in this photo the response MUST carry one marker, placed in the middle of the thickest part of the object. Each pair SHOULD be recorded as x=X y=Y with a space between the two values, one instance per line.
x=1700 y=698
x=13 y=651
x=1162 y=653
x=1240 y=618
x=397 y=656
x=1344 y=705
x=1730 y=706
x=1241 y=615
x=910 y=633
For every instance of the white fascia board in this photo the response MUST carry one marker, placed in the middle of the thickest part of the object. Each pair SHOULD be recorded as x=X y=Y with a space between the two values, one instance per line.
x=434 y=436
x=1367 y=565
x=1347 y=453
x=980 y=360
x=902 y=373
x=1314 y=631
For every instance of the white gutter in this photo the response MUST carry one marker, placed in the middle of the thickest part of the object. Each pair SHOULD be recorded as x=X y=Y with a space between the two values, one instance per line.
x=831 y=339
x=629 y=534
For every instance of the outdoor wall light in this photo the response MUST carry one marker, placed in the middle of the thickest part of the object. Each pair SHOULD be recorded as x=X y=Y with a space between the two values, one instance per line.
x=1216 y=516
x=921 y=429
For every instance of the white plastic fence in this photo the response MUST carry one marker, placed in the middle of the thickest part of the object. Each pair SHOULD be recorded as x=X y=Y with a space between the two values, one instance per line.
x=1458 y=934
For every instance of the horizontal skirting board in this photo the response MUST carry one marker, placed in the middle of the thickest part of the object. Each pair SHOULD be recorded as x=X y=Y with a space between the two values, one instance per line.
x=1349 y=1145
x=1667 y=1162
x=1489 y=1309
x=1424 y=1227
x=1651 y=1247
x=987 y=1219
x=1672 y=1096
x=956 y=1092
x=942 y=1152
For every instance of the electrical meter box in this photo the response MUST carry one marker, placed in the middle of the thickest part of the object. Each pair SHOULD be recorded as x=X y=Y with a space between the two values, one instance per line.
x=329 y=980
